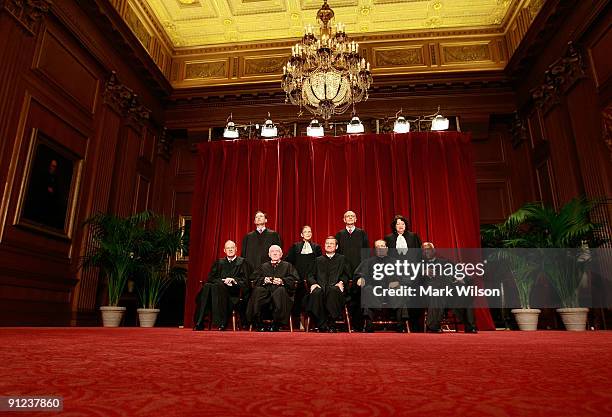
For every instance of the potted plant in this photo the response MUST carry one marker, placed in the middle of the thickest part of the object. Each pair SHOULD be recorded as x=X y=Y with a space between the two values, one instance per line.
x=159 y=245
x=114 y=243
x=566 y=235
x=523 y=265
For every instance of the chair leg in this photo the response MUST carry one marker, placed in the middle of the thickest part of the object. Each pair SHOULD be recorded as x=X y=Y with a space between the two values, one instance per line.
x=307 y=323
x=407 y=326
x=348 y=319
x=425 y=321
x=234 y=320
x=291 y=324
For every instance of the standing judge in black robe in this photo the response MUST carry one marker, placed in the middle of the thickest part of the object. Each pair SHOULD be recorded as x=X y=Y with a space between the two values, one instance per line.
x=275 y=282
x=438 y=305
x=351 y=242
x=327 y=285
x=226 y=280
x=255 y=245
x=302 y=256
x=406 y=245
x=401 y=238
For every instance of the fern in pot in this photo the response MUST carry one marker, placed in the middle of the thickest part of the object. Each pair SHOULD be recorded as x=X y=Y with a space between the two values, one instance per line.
x=115 y=241
x=161 y=242
x=563 y=238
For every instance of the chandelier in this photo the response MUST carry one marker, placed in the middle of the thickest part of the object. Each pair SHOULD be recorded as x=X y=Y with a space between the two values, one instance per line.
x=326 y=75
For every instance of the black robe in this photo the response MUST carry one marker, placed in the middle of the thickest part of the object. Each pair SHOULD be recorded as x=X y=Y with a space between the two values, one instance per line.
x=412 y=240
x=218 y=297
x=326 y=303
x=255 y=246
x=304 y=264
x=281 y=296
x=351 y=244
x=436 y=306
x=397 y=306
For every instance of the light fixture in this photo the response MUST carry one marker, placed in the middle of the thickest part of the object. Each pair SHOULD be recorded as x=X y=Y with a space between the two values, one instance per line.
x=326 y=75
x=401 y=125
x=315 y=129
x=354 y=126
x=439 y=122
x=268 y=129
x=230 y=131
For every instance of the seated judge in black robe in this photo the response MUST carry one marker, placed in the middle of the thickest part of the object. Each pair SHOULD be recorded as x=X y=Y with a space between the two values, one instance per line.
x=438 y=305
x=275 y=282
x=302 y=256
x=351 y=242
x=255 y=244
x=328 y=284
x=222 y=291
x=372 y=304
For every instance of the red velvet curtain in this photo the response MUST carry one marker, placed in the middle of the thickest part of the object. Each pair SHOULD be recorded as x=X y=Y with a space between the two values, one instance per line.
x=426 y=176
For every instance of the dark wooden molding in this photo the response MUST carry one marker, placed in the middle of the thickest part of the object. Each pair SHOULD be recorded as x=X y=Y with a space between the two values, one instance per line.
x=518 y=130
x=28 y=13
x=544 y=27
x=164 y=144
x=607 y=128
x=108 y=20
x=124 y=100
x=383 y=87
x=559 y=77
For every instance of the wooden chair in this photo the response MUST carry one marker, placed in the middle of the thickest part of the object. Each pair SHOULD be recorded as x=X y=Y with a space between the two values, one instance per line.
x=346 y=321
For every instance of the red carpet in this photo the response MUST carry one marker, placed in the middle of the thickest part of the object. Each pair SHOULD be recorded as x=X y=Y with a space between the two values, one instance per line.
x=172 y=372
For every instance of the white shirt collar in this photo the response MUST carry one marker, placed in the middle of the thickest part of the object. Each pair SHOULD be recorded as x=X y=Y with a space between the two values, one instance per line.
x=330 y=256
x=306 y=249
x=260 y=229
x=350 y=229
x=231 y=259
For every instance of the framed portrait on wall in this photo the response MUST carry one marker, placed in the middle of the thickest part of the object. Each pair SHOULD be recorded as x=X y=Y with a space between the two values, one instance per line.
x=48 y=194
x=185 y=226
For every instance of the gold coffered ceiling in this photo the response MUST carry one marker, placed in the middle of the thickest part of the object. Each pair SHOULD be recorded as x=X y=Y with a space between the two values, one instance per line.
x=205 y=43
x=197 y=23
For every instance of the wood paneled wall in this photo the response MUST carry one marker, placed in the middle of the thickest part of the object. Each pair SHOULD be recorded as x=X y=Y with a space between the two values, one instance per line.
x=65 y=76
x=63 y=80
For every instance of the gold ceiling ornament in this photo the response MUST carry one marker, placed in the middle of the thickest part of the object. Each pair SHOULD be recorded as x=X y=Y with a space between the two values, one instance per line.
x=326 y=75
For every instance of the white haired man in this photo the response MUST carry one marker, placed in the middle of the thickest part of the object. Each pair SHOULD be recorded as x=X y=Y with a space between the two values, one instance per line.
x=275 y=282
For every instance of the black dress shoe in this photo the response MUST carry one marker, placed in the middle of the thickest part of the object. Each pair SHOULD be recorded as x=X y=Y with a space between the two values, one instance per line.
x=471 y=330
x=433 y=330
x=221 y=328
x=401 y=328
x=274 y=328
x=368 y=328
x=198 y=328
x=331 y=329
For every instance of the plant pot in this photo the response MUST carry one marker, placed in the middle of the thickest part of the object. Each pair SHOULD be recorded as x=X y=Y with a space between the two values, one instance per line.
x=111 y=316
x=526 y=318
x=574 y=318
x=147 y=316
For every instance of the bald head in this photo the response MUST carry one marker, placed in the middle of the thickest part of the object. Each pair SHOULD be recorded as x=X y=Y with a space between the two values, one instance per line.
x=429 y=250
x=350 y=218
x=230 y=248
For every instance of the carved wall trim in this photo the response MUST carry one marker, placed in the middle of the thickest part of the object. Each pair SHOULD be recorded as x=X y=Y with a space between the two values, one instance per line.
x=27 y=12
x=607 y=128
x=125 y=101
x=518 y=130
x=164 y=144
x=559 y=77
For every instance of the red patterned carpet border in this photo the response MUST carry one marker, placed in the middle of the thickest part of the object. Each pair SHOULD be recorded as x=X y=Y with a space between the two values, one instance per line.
x=173 y=372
